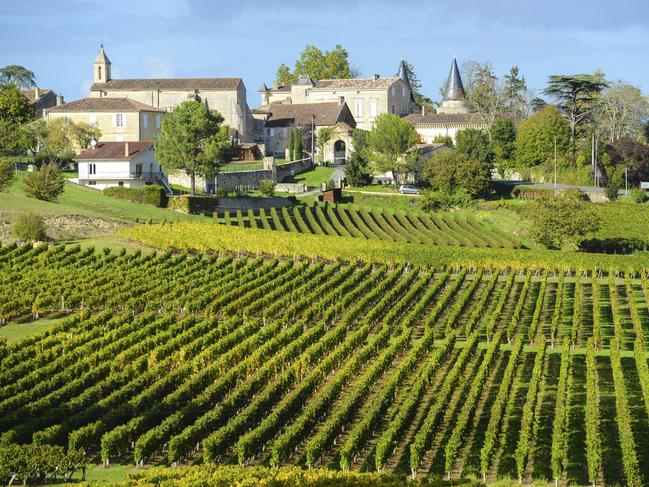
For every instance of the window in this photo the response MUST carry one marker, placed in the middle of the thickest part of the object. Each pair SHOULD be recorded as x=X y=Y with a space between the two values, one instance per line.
x=145 y=121
x=157 y=122
x=373 y=108
x=99 y=72
x=392 y=90
x=359 y=108
x=92 y=169
x=138 y=170
x=93 y=119
x=119 y=120
x=271 y=132
x=92 y=183
x=403 y=91
x=120 y=183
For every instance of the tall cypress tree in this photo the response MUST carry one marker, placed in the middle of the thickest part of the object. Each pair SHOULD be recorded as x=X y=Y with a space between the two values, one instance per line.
x=291 y=144
x=298 y=145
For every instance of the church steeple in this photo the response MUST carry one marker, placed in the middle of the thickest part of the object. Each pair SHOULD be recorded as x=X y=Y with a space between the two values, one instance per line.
x=453 y=101
x=101 y=67
x=403 y=72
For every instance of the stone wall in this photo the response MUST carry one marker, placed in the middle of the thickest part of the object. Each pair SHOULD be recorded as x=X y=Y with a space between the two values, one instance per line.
x=285 y=171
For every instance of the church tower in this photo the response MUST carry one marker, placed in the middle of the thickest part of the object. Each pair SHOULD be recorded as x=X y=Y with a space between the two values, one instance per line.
x=453 y=101
x=101 y=67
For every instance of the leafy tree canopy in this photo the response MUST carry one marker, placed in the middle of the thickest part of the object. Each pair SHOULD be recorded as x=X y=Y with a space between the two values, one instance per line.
x=16 y=75
x=475 y=144
x=503 y=137
x=193 y=139
x=15 y=110
x=560 y=221
x=450 y=170
x=45 y=184
x=536 y=135
x=388 y=142
x=357 y=168
x=6 y=174
x=317 y=65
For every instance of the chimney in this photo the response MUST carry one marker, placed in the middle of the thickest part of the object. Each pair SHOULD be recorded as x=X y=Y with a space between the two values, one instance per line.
x=376 y=76
x=341 y=100
x=59 y=100
x=126 y=150
x=37 y=93
x=423 y=110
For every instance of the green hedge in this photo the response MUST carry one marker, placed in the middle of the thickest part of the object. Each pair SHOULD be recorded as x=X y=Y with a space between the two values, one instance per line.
x=194 y=204
x=148 y=195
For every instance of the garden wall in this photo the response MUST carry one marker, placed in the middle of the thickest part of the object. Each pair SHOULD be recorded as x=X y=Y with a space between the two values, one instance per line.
x=210 y=204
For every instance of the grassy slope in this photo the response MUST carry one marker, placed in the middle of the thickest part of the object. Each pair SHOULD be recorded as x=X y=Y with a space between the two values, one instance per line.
x=14 y=332
x=314 y=177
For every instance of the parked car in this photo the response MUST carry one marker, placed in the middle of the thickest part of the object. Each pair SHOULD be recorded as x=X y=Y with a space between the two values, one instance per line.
x=408 y=189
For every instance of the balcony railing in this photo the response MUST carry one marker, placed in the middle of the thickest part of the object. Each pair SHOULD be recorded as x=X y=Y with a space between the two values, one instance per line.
x=123 y=175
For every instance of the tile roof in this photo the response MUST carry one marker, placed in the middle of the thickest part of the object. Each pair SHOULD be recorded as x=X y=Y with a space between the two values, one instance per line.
x=113 y=151
x=443 y=118
x=181 y=84
x=105 y=105
x=356 y=83
x=31 y=94
x=288 y=114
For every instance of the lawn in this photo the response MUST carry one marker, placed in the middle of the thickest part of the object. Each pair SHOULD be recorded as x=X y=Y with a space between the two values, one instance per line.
x=315 y=177
x=14 y=332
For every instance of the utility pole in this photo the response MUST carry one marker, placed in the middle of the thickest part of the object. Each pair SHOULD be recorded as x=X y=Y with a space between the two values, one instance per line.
x=555 y=163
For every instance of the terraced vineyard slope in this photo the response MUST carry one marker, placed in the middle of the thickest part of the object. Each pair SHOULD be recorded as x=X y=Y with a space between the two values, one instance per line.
x=373 y=224
x=181 y=358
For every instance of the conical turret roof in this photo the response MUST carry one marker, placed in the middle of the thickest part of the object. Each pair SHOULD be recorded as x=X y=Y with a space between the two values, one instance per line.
x=101 y=57
x=454 y=88
x=403 y=72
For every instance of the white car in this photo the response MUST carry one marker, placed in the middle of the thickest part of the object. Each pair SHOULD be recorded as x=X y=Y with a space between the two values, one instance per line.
x=408 y=189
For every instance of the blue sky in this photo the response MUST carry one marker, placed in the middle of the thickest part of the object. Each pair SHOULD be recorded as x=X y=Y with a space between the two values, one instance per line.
x=58 y=40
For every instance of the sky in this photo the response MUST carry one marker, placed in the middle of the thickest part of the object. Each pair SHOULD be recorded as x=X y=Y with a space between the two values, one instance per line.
x=59 y=40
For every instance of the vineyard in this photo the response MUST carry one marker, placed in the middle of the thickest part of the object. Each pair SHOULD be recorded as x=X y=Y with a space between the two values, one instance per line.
x=175 y=358
x=373 y=224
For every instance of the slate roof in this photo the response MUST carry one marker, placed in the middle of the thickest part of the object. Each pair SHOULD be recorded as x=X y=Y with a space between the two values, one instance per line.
x=454 y=90
x=113 y=151
x=101 y=56
x=287 y=114
x=356 y=83
x=105 y=105
x=443 y=118
x=179 y=84
x=403 y=72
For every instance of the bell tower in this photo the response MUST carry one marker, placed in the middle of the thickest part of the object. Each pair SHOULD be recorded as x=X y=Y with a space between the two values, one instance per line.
x=101 y=67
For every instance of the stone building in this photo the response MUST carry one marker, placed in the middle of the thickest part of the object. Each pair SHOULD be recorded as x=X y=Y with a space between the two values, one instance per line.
x=452 y=116
x=118 y=119
x=280 y=118
x=366 y=97
x=225 y=95
x=41 y=100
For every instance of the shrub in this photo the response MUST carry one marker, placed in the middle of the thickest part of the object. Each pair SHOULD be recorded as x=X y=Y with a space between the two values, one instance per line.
x=612 y=189
x=638 y=195
x=450 y=170
x=148 y=195
x=575 y=194
x=267 y=187
x=442 y=200
x=29 y=226
x=6 y=174
x=45 y=184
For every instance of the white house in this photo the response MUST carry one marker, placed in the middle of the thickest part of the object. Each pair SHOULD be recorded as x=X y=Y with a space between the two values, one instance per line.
x=129 y=164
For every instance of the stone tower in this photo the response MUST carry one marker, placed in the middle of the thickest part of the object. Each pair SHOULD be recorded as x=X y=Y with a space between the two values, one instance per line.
x=101 y=67
x=453 y=101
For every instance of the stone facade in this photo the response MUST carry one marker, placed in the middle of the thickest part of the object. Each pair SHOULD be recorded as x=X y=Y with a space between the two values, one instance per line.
x=41 y=100
x=432 y=125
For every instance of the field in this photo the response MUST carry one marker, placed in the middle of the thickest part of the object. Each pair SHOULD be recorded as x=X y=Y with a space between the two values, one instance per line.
x=219 y=358
x=374 y=224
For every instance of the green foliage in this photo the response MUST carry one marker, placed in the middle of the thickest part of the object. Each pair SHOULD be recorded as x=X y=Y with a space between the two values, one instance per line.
x=62 y=139
x=593 y=437
x=33 y=463
x=449 y=170
x=317 y=65
x=445 y=200
x=7 y=173
x=559 y=452
x=29 y=226
x=637 y=195
x=388 y=142
x=45 y=184
x=561 y=220
x=148 y=195
x=291 y=143
x=18 y=76
x=536 y=135
x=15 y=111
x=323 y=136
x=503 y=138
x=267 y=187
x=357 y=168
x=475 y=144
x=297 y=148
x=612 y=188
x=443 y=139
x=415 y=86
x=193 y=139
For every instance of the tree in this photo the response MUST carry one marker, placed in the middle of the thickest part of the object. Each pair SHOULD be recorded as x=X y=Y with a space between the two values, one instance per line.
x=297 y=149
x=267 y=187
x=517 y=96
x=536 y=135
x=484 y=93
x=621 y=112
x=16 y=75
x=291 y=143
x=450 y=170
x=561 y=220
x=45 y=184
x=388 y=142
x=626 y=153
x=415 y=86
x=15 y=110
x=193 y=139
x=443 y=139
x=33 y=136
x=503 y=138
x=576 y=95
x=63 y=139
x=357 y=170
x=6 y=174
x=317 y=65
x=475 y=144
x=324 y=135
